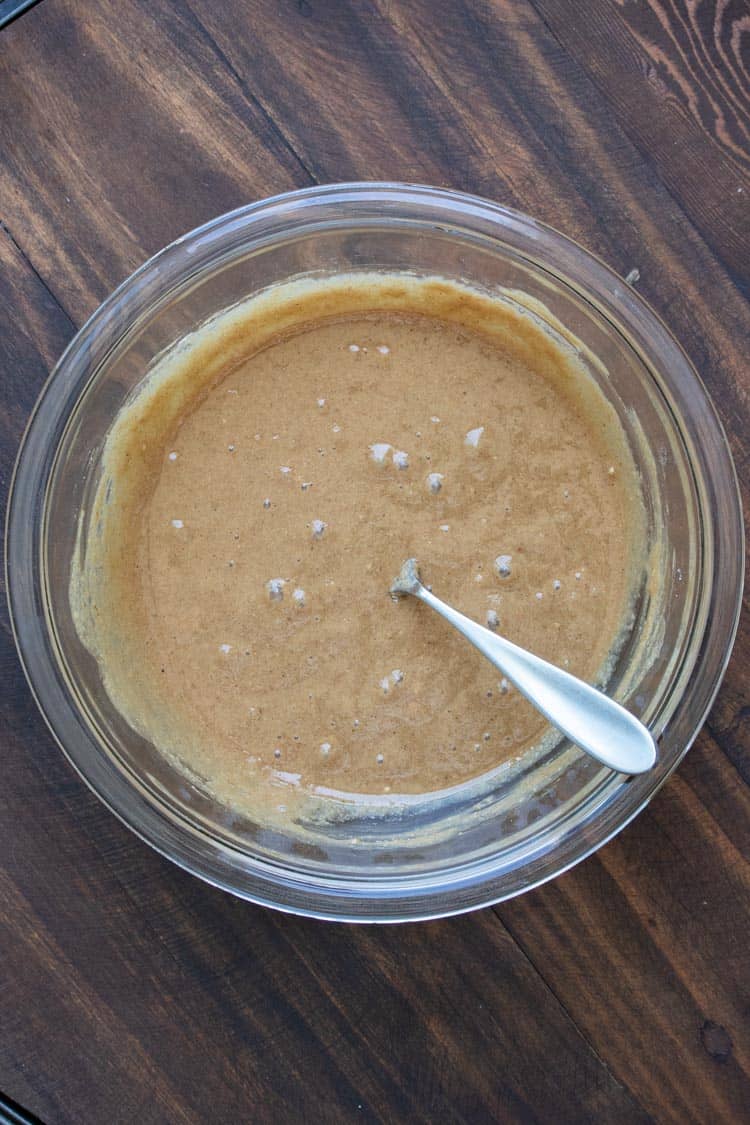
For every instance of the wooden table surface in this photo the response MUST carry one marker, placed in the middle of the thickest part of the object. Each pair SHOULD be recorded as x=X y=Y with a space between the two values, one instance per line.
x=129 y=991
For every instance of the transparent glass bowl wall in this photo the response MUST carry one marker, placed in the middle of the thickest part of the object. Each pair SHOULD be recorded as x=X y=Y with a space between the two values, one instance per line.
x=488 y=841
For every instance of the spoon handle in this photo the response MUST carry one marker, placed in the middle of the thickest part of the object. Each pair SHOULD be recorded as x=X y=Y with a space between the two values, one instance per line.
x=589 y=718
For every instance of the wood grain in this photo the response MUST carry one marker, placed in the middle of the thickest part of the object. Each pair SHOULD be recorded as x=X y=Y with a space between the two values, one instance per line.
x=618 y=993
x=691 y=115
x=663 y=914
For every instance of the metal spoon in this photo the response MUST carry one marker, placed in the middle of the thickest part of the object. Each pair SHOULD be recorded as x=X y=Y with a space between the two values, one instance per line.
x=597 y=724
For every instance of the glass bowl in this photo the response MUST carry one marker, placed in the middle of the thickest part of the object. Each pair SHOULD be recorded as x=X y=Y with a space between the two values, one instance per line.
x=484 y=842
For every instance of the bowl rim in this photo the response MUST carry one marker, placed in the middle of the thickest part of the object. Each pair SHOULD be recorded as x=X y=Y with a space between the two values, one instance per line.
x=153 y=824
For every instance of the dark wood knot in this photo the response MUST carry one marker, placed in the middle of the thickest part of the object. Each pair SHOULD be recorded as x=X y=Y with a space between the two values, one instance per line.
x=716 y=1041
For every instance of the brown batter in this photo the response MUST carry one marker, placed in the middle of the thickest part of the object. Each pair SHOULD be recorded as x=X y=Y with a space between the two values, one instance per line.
x=264 y=491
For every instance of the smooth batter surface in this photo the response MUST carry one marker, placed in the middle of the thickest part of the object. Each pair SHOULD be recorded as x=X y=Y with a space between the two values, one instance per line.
x=263 y=493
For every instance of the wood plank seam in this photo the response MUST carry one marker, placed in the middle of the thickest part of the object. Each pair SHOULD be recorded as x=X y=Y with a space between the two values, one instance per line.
x=27 y=261
x=247 y=92
x=718 y=737
x=563 y=1006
